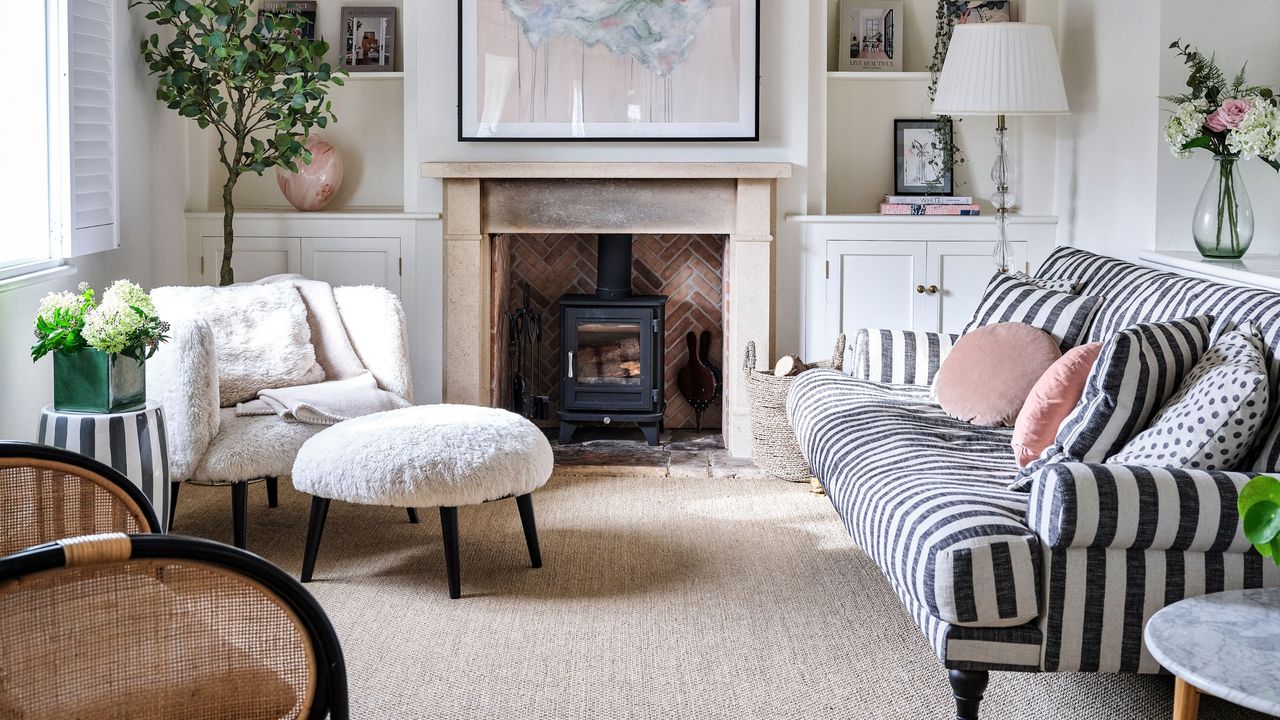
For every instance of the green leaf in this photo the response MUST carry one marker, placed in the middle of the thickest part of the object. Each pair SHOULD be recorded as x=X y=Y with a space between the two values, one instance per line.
x=1202 y=142
x=1262 y=522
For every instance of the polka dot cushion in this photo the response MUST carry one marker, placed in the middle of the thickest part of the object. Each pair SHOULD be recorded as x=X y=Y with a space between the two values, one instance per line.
x=1213 y=419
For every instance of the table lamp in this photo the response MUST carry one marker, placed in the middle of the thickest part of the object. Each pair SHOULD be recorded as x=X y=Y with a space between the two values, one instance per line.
x=1001 y=69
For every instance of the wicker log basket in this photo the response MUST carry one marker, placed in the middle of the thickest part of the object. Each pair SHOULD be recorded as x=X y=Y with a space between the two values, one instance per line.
x=773 y=443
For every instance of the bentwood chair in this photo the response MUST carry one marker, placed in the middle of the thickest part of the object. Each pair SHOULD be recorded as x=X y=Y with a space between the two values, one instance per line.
x=47 y=493
x=151 y=627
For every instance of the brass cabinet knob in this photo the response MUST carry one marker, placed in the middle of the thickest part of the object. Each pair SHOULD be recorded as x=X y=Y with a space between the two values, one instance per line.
x=920 y=289
x=932 y=290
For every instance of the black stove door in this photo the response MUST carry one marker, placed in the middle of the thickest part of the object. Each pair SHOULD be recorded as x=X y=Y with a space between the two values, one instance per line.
x=608 y=360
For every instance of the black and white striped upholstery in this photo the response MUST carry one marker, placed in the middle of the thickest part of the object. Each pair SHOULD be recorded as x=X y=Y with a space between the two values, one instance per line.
x=899 y=357
x=923 y=494
x=1010 y=298
x=1064 y=577
x=1133 y=294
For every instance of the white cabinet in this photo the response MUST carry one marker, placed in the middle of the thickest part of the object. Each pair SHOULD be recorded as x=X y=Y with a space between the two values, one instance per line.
x=251 y=257
x=353 y=261
x=904 y=273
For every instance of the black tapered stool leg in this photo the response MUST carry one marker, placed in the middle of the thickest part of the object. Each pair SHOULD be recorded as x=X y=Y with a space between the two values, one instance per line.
x=239 y=510
x=273 y=492
x=315 y=529
x=413 y=515
x=968 y=687
x=449 y=528
x=525 y=503
x=173 y=503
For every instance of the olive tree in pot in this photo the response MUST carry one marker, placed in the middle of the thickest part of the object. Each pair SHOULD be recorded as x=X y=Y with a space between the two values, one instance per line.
x=252 y=77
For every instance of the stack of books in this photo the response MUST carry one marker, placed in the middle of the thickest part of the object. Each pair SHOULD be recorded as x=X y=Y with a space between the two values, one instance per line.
x=929 y=205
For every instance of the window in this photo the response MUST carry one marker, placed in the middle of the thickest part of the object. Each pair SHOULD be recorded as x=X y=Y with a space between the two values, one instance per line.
x=61 y=196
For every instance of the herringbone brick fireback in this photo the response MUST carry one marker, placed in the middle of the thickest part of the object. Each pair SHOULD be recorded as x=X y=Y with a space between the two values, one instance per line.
x=689 y=269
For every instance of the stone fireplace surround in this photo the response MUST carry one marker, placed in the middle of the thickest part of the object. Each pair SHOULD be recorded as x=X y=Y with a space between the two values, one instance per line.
x=736 y=200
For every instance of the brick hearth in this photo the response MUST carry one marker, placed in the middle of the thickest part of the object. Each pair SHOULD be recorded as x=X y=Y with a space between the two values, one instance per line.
x=687 y=268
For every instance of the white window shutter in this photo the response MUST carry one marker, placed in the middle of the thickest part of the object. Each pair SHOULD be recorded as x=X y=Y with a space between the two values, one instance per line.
x=89 y=222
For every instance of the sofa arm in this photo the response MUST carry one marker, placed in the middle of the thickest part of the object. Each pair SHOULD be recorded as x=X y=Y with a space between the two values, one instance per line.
x=1076 y=505
x=183 y=378
x=375 y=323
x=900 y=357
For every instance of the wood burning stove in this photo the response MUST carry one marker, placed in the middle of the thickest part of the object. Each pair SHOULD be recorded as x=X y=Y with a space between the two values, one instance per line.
x=612 y=349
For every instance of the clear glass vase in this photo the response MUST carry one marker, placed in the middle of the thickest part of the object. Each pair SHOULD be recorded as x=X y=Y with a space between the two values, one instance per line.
x=1223 y=226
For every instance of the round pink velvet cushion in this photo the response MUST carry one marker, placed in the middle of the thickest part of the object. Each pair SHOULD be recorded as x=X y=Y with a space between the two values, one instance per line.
x=1051 y=400
x=988 y=374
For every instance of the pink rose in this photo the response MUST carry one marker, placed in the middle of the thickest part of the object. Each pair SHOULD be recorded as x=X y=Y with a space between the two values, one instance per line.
x=1228 y=116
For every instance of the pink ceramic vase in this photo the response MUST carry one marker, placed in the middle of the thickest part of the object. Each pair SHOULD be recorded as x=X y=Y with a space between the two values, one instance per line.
x=315 y=183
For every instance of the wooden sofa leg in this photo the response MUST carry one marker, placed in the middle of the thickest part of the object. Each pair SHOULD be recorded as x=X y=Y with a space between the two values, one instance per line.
x=525 y=505
x=273 y=492
x=174 y=487
x=968 y=687
x=413 y=515
x=449 y=529
x=315 y=529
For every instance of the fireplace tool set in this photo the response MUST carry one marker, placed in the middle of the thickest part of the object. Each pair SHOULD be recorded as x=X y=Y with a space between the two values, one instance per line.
x=524 y=338
x=700 y=380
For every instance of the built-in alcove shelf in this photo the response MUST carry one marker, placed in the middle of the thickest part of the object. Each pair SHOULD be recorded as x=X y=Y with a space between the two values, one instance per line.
x=880 y=76
x=374 y=75
x=878 y=219
x=289 y=214
x=1253 y=270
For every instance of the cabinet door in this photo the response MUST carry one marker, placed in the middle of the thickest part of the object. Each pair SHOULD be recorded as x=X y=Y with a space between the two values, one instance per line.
x=253 y=258
x=353 y=261
x=961 y=271
x=873 y=285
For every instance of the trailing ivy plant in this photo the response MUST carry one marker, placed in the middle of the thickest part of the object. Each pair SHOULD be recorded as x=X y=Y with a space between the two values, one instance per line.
x=948 y=12
x=250 y=76
x=1259 y=506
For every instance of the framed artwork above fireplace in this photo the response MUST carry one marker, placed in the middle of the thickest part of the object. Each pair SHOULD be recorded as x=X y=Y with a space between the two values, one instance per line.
x=593 y=70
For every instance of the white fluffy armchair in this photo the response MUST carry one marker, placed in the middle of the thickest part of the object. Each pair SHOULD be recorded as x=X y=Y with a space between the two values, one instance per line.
x=210 y=444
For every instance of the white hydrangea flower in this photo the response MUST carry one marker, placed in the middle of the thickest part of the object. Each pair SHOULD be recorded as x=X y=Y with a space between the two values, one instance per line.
x=1258 y=134
x=1186 y=124
x=130 y=293
x=109 y=326
x=57 y=301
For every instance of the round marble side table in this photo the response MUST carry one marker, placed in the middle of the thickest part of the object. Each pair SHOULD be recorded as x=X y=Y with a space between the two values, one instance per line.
x=1226 y=645
x=132 y=442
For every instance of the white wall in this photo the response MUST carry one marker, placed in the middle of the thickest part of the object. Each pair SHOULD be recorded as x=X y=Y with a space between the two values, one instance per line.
x=1238 y=31
x=152 y=181
x=783 y=128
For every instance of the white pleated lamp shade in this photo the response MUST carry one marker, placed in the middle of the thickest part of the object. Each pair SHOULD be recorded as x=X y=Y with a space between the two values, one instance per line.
x=1001 y=69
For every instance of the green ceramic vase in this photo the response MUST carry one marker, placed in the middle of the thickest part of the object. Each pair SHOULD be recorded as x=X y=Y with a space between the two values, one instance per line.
x=92 y=381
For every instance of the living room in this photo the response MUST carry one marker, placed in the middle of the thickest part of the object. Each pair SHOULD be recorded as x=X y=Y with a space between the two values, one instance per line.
x=688 y=358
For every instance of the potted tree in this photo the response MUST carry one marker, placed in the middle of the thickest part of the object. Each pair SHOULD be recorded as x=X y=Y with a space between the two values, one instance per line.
x=254 y=77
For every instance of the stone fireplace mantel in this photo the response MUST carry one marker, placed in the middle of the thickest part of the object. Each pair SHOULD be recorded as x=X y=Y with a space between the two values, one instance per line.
x=736 y=200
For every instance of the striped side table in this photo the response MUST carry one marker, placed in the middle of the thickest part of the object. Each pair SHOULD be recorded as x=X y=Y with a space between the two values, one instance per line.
x=132 y=442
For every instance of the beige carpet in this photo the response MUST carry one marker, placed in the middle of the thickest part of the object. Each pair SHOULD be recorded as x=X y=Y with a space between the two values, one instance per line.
x=659 y=597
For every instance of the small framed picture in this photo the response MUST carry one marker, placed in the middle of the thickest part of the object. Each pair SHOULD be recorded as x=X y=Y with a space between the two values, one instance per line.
x=870 y=36
x=369 y=38
x=919 y=166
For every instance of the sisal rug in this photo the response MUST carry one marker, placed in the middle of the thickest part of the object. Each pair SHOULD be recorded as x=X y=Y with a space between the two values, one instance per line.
x=659 y=598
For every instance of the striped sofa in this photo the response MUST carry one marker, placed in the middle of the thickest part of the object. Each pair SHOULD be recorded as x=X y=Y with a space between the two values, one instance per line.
x=1061 y=578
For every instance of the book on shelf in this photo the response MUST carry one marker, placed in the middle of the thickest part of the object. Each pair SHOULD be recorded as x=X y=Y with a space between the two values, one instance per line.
x=936 y=209
x=928 y=199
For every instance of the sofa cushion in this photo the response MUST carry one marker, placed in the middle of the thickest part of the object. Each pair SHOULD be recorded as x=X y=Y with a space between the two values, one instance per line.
x=1137 y=372
x=1211 y=421
x=923 y=495
x=988 y=375
x=901 y=357
x=1133 y=294
x=1009 y=298
x=1051 y=400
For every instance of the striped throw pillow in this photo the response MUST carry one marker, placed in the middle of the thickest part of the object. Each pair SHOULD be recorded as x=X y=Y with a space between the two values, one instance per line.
x=1014 y=298
x=1137 y=372
x=900 y=357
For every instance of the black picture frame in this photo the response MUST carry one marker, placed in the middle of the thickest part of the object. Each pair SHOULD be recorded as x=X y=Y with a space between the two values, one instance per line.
x=755 y=103
x=901 y=186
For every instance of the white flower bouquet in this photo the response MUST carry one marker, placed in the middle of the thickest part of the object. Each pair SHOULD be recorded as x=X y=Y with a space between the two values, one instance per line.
x=124 y=323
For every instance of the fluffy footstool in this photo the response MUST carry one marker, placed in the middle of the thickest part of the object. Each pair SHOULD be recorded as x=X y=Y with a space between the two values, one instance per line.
x=426 y=456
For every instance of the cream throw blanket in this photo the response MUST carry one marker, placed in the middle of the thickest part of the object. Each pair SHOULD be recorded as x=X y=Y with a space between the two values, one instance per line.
x=349 y=390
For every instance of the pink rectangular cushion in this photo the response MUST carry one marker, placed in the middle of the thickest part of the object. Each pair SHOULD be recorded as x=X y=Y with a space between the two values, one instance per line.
x=1051 y=400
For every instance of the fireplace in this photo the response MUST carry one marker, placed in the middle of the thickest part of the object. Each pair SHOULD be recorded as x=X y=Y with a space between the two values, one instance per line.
x=485 y=203
x=611 y=349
